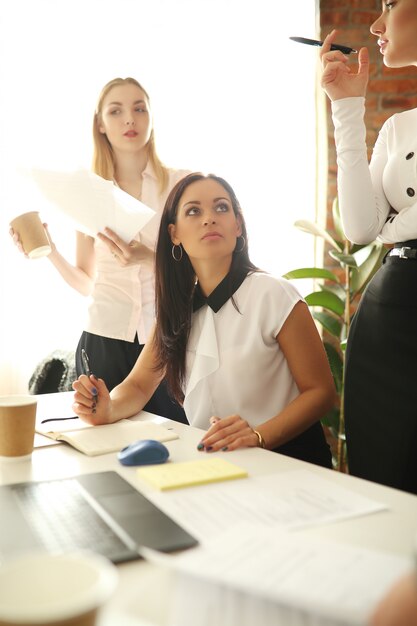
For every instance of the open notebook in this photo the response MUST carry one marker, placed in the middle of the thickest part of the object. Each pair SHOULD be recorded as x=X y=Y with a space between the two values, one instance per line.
x=95 y=440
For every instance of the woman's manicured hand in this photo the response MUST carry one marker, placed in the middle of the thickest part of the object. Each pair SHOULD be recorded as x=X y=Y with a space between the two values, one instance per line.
x=92 y=401
x=229 y=433
x=338 y=80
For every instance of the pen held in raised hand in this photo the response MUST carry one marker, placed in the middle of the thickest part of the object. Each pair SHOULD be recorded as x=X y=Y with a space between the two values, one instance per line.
x=316 y=42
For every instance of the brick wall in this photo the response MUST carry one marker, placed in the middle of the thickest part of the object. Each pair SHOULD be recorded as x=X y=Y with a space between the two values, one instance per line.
x=389 y=90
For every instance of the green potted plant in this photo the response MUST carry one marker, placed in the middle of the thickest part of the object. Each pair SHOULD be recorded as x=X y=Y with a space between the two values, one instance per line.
x=336 y=293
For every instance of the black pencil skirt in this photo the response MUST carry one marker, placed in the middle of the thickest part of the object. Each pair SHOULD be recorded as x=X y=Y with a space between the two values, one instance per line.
x=381 y=379
x=113 y=359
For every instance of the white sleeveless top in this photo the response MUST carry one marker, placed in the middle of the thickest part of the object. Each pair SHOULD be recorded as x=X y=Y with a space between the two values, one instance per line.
x=234 y=363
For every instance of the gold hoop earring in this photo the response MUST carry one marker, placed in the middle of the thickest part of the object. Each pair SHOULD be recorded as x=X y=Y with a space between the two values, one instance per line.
x=176 y=258
x=243 y=242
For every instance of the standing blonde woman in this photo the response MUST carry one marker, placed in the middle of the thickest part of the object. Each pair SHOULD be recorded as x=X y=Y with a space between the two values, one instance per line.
x=118 y=276
x=379 y=201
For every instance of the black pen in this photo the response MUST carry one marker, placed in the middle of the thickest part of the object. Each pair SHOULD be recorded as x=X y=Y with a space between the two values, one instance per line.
x=316 y=42
x=87 y=371
x=86 y=363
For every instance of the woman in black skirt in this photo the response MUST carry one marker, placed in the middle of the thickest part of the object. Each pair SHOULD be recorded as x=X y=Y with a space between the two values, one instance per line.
x=378 y=200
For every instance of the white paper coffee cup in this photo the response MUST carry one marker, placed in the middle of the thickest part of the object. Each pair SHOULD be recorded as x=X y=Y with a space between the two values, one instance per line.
x=32 y=234
x=55 y=590
x=17 y=426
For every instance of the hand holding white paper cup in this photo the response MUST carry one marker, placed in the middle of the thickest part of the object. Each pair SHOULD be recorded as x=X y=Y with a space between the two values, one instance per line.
x=17 y=426
x=55 y=590
x=32 y=234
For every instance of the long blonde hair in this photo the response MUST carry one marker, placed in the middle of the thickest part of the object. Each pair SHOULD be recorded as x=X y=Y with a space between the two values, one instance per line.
x=103 y=162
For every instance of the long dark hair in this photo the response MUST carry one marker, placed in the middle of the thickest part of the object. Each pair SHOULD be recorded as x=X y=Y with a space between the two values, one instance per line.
x=175 y=283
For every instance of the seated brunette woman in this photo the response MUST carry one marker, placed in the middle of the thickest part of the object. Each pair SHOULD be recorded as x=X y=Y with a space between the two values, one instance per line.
x=238 y=347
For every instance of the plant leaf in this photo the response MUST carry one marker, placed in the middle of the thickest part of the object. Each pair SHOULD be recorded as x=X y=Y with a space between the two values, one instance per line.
x=337 y=220
x=316 y=230
x=327 y=300
x=343 y=259
x=329 y=322
x=336 y=289
x=367 y=268
x=364 y=252
x=311 y=272
x=336 y=365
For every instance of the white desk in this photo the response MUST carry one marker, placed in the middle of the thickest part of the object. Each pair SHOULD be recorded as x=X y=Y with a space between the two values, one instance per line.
x=145 y=590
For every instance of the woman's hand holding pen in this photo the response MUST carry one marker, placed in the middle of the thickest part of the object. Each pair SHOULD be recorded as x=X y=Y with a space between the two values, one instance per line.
x=229 y=433
x=131 y=253
x=338 y=80
x=92 y=401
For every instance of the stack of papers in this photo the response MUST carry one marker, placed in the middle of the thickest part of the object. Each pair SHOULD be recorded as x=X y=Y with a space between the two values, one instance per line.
x=283 y=577
x=287 y=500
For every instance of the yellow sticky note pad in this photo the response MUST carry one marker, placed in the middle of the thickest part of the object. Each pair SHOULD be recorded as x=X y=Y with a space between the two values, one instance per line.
x=190 y=473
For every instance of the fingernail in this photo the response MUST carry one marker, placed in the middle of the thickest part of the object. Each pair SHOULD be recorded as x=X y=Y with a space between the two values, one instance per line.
x=93 y=411
x=225 y=448
x=94 y=391
x=209 y=448
x=200 y=446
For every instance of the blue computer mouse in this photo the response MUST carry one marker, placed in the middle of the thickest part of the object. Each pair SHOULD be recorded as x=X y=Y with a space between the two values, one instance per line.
x=143 y=452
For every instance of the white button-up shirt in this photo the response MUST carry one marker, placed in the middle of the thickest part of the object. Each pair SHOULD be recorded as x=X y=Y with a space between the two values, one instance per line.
x=377 y=200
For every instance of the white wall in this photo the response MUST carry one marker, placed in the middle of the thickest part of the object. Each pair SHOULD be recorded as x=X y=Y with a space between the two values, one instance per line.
x=231 y=94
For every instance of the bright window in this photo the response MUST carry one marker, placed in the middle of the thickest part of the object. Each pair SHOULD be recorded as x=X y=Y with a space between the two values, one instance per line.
x=230 y=93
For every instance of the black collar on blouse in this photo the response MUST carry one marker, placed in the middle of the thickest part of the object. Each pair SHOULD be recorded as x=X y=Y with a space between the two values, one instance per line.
x=223 y=292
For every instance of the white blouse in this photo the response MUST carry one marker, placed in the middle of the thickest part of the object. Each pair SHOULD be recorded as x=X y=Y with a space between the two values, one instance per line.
x=123 y=299
x=234 y=363
x=377 y=201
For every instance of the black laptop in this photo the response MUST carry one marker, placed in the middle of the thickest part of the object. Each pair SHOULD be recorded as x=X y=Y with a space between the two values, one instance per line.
x=100 y=512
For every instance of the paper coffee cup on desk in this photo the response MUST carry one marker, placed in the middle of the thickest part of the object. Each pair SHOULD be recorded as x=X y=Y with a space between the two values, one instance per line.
x=17 y=426
x=55 y=590
x=32 y=234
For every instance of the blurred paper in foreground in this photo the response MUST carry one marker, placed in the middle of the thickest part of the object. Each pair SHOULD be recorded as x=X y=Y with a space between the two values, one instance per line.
x=93 y=202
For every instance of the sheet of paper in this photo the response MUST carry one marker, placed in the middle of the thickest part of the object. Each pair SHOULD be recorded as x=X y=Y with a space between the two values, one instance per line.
x=320 y=577
x=54 y=405
x=62 y=419
x=92 y=202
x=185 y=474
x=199 y=603
x=60 y=424
x=51 y=414
x=40 y=441
x=286 y=500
